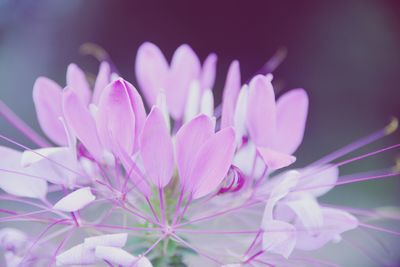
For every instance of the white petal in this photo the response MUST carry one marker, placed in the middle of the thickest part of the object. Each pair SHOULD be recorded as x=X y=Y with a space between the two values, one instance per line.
x=77 y=255
x=19 y=181
x=75 y=200
x=307 y=210
x=12 y=239
x=335 y=223
x=33 y=156
x=193 y=101
x=319 y=183
x=280 y=190
x=244 y=160
x=279 y=237
x=112 y=240
x=207 y=103
x=162 y=105
x=12 y=260
x=120 y=257
x=52 y=163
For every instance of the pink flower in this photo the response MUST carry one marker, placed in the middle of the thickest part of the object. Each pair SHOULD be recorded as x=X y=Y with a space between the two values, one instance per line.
x=180 y=184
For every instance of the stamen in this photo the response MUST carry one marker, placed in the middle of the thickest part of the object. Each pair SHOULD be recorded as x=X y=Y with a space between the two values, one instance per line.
x=380 y=229
x=389 y=129
x=233 y=182
x=37 y=153
x=20 y=125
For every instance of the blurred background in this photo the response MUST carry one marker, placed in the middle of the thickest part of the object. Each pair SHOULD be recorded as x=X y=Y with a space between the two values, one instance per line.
x=346 y=54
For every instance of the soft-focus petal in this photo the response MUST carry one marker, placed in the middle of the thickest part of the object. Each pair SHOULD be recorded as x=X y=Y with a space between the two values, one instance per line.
x=12 y=239
x=77 y=255
x=115 y=118
x=261 y=111
x=321 y=182
x=307 y=210
x=207 y=77
x=102 y=80
x=47 y=98
x=75 y=200
x=112 y=240
x=207 y=103
x=12 y=260
x=120 y=257
x=212 y=162
x=156 y=149
x=81 y=123
x=77 y=81
x=275 y=159
x=21 y=183
x=185 y=68
x=291 y=112
x=231 y=92
x=279 y=238
x=189 y=139
x=193 y=101
x=151 y=71
x=279 y=191
x=335 y=223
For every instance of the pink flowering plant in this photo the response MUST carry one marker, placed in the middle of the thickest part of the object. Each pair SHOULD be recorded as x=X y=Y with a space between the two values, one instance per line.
x=171 y=179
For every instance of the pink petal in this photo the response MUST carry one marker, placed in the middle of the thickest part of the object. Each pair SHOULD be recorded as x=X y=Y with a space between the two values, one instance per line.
x=138 y=110
x=336 y=222
x=151 y=71
x=240 y=114
x=156 y=149
x=212 y=162
x=115 y=118
x=77 y=255
x=19 y=184
x=75 y=200
x=130 y=167
x=185 y=68
x=207 y=77
x=102 y=80
x=261 y=113
x=47 y=99
x=81 y=123
x=275 y=159
x=279 y=238
x=321 y=182
x=189 y=139
x=112 y=240
x=121 y=257
x=77 y=81
x=230 y=95
x=291 y=112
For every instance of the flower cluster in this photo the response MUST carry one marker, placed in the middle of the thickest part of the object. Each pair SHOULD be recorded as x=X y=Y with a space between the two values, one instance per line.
x=182 y=183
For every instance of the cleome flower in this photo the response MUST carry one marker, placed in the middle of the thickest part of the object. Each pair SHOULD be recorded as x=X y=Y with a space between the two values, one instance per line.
x=179 y=183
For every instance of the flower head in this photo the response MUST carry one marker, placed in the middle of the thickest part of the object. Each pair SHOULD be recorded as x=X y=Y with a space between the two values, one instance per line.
x=178 y=183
